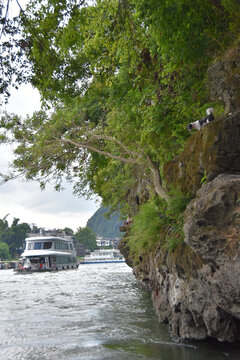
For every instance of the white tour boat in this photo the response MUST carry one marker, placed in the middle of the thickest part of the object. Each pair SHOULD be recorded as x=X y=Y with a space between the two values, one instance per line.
x=47 y=254
x=103 y=256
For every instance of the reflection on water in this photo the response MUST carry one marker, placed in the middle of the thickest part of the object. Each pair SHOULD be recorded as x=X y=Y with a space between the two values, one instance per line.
x=95 y=312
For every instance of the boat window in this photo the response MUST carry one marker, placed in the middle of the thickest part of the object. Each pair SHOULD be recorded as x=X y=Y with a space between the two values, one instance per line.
x=61 y=245
x=34 y=260
x=30 y=246
x=71 y=247
x=47 y=245
x=65 y=260
x=37 y=245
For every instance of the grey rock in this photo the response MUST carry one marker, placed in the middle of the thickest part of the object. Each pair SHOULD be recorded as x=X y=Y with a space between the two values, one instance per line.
x=224 y=83
x=205 y=302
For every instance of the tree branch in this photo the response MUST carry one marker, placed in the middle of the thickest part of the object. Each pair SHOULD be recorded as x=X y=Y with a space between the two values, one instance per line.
x=109 y=138
x=95 y=149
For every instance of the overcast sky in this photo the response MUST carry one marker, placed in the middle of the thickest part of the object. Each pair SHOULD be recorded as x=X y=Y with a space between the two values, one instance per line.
x=25 y=200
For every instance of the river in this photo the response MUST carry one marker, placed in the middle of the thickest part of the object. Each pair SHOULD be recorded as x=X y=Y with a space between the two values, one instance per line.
x=95 y=312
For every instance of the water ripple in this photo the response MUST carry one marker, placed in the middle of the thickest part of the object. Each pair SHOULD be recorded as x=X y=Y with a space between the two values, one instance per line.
x=94 y=313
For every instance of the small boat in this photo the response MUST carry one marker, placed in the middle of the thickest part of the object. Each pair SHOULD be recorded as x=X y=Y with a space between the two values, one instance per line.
x=47 y=254
x=103 y=256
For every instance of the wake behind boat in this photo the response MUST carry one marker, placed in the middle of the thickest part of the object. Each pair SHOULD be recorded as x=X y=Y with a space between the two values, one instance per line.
x=47 y=254
x=103 y=256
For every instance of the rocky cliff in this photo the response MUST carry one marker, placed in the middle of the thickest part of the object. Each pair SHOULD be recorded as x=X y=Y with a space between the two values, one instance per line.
x=196 y=288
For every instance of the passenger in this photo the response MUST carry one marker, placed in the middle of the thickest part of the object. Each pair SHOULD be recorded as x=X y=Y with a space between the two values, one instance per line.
x=27 y=264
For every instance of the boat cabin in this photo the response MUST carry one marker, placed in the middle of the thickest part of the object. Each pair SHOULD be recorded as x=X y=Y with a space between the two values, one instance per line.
x=48 y=253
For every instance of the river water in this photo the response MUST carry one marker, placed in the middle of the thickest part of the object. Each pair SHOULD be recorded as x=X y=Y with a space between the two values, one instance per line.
x=95 y=312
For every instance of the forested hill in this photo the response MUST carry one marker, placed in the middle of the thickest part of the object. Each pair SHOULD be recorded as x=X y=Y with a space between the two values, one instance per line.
x=103 y=226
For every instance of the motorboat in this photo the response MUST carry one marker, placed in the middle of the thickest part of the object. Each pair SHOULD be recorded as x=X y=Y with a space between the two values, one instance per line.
x=47 y=254
x=103 y=256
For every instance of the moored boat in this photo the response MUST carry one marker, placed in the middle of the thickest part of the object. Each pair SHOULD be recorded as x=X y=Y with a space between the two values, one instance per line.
x=47 y=254
x=103 y=256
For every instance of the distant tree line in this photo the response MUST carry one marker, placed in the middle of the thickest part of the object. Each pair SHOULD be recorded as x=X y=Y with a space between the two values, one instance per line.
x=12 y=238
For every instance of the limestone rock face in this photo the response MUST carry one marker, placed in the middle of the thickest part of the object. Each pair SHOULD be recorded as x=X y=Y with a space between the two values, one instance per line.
x=224 y=82
x=212 y=229
x=212 y=151
x=196 y=289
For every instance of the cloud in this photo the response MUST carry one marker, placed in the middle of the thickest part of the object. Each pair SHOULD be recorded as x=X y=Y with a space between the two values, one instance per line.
x=49 y=208
x=25 y=200
x=23 y=101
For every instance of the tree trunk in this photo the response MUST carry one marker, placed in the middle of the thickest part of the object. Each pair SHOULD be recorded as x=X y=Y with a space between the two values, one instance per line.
x=157 y=179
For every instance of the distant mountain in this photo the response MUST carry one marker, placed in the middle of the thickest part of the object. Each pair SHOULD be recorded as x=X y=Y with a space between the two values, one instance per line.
x=104 y=227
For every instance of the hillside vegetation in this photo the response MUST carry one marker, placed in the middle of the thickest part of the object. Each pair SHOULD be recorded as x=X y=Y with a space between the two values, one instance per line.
x=104 y=225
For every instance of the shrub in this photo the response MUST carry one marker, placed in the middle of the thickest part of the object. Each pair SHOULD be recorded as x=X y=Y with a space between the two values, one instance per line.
x=146 y=229
x=158 y=223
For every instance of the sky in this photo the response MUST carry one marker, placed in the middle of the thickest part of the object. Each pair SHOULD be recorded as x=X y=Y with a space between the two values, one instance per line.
x=48 y=209
x=25 y=200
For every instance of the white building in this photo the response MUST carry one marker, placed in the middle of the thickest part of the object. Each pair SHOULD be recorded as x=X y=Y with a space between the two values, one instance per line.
x=102 y=242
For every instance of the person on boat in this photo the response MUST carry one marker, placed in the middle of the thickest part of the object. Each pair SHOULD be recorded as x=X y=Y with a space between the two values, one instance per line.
x=200 y=123
x=27 y=264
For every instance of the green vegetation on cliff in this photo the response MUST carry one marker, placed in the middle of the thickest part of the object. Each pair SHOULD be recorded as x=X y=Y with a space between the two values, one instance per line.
x=123 y=78
x=157 y=223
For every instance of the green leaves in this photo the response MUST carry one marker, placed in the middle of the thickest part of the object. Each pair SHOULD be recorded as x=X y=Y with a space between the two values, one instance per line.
x=4 y=251
x=12 y=238
x=122 y=79
x=87 y=237
x=186 y=31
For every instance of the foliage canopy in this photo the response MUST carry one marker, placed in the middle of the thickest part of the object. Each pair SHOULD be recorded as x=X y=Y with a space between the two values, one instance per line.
x=4 y=251
x=13 y=236
x=119 y=79
x=87 y=237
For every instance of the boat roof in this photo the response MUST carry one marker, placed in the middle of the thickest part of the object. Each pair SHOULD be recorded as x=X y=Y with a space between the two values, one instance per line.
x=46 y=253
x=105 y=251
x=46 y=238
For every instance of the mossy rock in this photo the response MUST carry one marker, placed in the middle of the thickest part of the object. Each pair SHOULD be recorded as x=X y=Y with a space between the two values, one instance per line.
x=212 y=151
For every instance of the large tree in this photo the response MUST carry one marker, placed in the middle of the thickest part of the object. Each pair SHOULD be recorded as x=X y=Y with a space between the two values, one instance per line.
x=122 y=79
x=87 y=237
x=14 y=236
x=4 y=251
